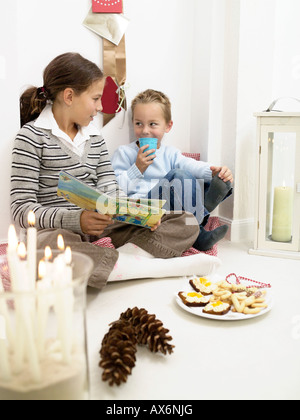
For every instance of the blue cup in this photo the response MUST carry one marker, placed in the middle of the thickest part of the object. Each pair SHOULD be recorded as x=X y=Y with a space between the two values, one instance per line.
x=151 y=142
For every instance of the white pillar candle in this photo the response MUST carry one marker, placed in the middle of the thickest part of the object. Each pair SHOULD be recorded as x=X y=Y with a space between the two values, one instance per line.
x=31 y=250
x=12 y=256
x=69 y=271
x=5 y=371
x=44 y=287
x=283 y=214
x=22 y=267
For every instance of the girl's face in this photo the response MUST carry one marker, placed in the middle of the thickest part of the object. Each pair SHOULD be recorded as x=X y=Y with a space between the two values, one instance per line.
x=149 y=121
x=86 y=105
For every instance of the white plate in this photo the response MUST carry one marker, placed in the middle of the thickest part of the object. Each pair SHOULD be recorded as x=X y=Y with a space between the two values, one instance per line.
x=230 y=316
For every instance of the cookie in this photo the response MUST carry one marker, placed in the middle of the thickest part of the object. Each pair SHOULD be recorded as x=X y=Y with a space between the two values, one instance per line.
x=193 y=299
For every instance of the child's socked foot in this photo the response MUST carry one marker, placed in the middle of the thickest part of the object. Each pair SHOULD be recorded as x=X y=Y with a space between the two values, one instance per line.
x=207 y=239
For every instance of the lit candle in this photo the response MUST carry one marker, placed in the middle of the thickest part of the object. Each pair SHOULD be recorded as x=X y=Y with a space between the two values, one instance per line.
x=68 y=269
x=47 y=261
x=31 y=250
x=43 y=305
x=283 y=214
x=12 y=256
x=22 y=268
x=60 y=243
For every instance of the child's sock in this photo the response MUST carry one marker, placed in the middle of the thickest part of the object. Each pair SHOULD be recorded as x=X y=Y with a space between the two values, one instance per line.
x=216 y=193
x=207 y=239
x=134 y=266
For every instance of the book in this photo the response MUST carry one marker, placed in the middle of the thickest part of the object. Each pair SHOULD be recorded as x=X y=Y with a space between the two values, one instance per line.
x=140 y=212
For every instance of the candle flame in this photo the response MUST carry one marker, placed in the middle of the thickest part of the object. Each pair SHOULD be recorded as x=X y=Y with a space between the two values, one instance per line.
x=68 y=255
x=31 y=218
x=22 y=251
x=12 y=238
x=60 y=243
x=42 y=269
x=48 y=253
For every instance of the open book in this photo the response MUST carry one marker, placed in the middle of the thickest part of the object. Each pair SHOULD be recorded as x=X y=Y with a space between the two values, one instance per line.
x=141 y=212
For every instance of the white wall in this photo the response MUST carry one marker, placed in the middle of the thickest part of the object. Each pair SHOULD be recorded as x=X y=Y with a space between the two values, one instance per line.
x=9 y=104
x=218 y=60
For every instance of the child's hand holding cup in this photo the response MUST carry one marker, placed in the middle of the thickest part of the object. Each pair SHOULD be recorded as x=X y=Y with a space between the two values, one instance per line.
x=146 y=153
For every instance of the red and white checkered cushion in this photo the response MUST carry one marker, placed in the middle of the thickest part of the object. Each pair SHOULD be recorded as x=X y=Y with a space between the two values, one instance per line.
x=195 y=156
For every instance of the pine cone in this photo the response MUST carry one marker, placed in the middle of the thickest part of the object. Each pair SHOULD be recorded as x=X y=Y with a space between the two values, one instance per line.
x=149 y=330
x=117 y=352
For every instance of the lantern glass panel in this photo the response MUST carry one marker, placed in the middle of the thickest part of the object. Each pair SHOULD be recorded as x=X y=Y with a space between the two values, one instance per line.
x=280 y=186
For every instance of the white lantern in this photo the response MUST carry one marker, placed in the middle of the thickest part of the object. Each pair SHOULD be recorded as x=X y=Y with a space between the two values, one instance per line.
x=277 y=213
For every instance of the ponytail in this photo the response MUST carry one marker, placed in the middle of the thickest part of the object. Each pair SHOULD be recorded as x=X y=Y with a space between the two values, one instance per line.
x=32 y=103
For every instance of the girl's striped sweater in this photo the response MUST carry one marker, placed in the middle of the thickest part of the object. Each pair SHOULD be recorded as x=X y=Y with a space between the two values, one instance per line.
x=37 y=159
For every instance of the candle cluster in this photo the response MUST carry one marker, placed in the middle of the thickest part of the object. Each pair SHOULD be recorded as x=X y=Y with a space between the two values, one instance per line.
x=39 y=294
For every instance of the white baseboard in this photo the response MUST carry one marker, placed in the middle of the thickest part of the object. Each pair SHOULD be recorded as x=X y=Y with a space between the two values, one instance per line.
x=239 y=230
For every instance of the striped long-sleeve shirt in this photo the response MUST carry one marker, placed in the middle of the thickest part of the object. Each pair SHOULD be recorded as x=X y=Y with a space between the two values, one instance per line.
x=38 y=157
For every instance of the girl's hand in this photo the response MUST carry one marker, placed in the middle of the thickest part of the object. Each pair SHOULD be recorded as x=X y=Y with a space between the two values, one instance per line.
x=224 y=173
x=93 y=223
x=153 y=229
x=143 y=159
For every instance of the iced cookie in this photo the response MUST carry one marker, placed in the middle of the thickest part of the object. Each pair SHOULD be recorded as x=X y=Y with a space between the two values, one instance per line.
x=193 y=298
x=217 y=308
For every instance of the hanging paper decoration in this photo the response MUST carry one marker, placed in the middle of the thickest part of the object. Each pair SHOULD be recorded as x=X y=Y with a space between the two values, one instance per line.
x=107 y=6
x=110 y=97
x=114 y=64
x=110 y=26
x=106 y=19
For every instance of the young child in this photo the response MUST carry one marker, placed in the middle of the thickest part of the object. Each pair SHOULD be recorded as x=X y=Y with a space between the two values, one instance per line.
x=185 y=184
x=57 y=134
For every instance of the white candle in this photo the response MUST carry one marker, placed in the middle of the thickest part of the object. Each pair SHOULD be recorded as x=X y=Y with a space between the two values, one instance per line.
x=60 y=243
x=31 y=250
x=12 y=256
x=22 y=268
x=44 y=287
x=48 y=262
x=68 y=269
x=5 y=371
x=4 y=312
x=62 y=279
x=283 y=214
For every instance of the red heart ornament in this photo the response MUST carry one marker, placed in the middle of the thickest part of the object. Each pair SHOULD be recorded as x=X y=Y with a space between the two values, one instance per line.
x=110 y=97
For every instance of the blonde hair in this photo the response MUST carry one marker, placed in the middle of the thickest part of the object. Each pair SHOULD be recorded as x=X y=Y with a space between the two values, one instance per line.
x=153 y=96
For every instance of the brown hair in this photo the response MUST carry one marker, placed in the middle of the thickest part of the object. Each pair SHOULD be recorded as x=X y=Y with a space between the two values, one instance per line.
x=153 y=96
x=69 y=70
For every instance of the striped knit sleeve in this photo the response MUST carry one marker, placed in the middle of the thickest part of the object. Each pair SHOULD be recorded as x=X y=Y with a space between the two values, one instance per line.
x=26 y=183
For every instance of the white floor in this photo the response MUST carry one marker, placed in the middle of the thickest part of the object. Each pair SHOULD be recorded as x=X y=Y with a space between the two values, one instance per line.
x=249 y=359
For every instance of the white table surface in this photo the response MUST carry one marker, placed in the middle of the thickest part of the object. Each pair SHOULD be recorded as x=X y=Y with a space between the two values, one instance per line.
x=250 y=359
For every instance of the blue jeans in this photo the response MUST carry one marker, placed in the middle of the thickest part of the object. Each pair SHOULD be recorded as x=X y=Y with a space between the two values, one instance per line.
x=182 y=192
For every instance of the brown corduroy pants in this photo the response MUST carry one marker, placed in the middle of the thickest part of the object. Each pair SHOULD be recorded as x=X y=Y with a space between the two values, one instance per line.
x=176 y=234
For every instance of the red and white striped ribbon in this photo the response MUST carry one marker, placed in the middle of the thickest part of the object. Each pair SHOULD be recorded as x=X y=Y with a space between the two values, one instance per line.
x=239 y=279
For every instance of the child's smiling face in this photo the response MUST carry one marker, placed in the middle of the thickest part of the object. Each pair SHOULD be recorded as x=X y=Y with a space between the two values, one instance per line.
x=149 y=121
